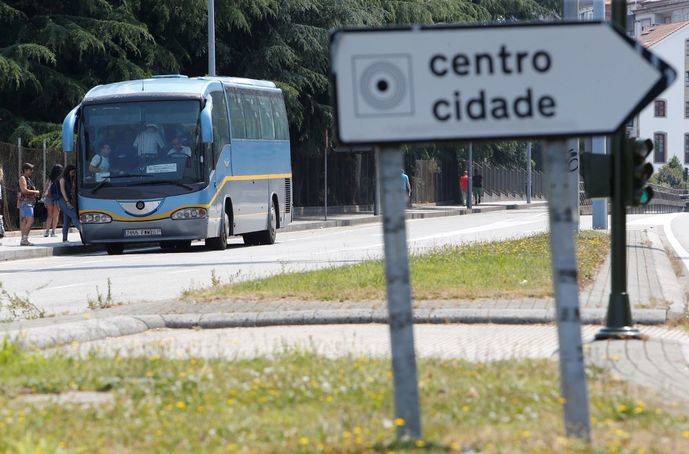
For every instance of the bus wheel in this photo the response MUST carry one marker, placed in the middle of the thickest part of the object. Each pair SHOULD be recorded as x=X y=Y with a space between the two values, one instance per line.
x=220 y=243
x=268 y=236
x=115 y=248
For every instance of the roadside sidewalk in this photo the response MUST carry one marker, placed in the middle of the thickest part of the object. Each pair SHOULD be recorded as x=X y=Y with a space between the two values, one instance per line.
x=652 y=282
x=47 y=247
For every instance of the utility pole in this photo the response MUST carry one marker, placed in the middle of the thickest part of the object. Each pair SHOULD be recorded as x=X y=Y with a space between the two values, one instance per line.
x=211 y=37
x=325 y=184
x=618 y=324
x=376 y=194
x=599 y=144
x=528 y=173
x=571 y=13
x=470 y=168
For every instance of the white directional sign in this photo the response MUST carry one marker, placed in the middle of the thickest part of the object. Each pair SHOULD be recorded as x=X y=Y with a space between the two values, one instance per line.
x=423 y=84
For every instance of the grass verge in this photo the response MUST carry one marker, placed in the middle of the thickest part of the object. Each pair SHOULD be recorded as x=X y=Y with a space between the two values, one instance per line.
x=506 y=269
x=300 y=402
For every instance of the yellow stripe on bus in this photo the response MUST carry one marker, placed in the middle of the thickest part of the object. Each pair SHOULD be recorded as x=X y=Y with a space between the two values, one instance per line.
x=167 y=214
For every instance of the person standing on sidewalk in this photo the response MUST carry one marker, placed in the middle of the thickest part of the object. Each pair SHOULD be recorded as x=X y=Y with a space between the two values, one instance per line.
x=407 y=187
x=51 y=198
x=464 y=187
x=477 y=185
x=68 y=200
x=26 y=199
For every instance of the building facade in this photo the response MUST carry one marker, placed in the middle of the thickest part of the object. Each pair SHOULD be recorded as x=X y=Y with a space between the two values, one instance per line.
x=666 y=119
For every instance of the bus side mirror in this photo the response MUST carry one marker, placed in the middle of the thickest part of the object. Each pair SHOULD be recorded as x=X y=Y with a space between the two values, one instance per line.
x=68 y=128
x=207 y=122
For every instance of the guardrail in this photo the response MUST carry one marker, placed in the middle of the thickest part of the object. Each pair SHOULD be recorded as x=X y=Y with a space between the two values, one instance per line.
x=665 y=200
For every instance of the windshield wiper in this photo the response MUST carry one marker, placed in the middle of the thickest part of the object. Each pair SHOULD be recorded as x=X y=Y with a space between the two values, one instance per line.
x=100 y=185
x=176 y=183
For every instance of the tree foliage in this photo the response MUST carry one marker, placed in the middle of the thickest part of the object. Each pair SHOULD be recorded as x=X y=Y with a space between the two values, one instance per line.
x=671 y=174
x=52 y=52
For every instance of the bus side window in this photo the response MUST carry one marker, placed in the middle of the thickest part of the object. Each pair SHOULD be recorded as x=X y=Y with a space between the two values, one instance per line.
x=266 y=110
x=236 y=114
x=280 y=117
x=251 y=115
x=221 y=127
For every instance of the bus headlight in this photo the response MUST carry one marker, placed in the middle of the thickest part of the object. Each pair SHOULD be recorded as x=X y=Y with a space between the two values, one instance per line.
x=189 y=213
x=94 y=218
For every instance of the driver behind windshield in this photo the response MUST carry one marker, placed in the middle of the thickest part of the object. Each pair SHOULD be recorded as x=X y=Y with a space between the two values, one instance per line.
x=178 y=149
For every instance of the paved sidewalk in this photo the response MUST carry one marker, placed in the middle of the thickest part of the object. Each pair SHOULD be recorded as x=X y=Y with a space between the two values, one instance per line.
x=651 y=280
x=43 y=247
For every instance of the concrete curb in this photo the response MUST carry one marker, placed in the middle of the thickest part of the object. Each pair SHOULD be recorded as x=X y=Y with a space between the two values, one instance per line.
x=669 y=282
x=97 y=329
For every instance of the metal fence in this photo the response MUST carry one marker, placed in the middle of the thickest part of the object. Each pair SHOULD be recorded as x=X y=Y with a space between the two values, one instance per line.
x=500 y=183
x=665 y=200
x=11 y=159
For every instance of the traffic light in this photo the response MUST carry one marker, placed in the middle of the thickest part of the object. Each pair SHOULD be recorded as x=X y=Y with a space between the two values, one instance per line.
x=637 y=172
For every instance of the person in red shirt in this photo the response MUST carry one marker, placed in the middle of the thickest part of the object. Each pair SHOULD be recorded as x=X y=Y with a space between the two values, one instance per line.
x=464 y=186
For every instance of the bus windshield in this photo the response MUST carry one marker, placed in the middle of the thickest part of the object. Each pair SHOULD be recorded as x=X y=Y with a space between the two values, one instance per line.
x=144 y=142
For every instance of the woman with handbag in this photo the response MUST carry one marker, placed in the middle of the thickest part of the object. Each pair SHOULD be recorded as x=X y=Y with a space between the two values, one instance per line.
x=68 y=200
x=51 y=198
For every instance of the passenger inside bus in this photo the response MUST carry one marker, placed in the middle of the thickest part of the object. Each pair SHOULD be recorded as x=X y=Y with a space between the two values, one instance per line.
x=156 y=140
x=100 y=163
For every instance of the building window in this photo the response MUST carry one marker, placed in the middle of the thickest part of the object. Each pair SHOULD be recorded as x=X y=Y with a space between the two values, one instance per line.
x=686 y=109
x=686 y=48
x=686 y=78
x=686 y=148
x=659 y=147
x=660 y=109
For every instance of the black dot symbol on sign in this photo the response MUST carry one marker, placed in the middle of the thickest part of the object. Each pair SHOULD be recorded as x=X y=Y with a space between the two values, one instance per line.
x=382 y=85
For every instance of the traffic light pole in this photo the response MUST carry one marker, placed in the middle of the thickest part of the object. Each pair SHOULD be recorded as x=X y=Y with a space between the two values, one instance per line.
x=618 y=324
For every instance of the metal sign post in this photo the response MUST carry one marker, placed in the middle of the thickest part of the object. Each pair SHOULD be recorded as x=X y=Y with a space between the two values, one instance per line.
x=566 y=286
x=528 y=173
x=470 y=186
x=399 y=293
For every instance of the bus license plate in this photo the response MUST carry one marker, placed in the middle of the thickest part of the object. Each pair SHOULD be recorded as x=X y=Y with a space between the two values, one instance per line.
x=129 y=233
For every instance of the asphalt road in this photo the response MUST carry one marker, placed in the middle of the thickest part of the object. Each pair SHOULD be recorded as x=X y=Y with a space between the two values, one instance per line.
x=66 y=284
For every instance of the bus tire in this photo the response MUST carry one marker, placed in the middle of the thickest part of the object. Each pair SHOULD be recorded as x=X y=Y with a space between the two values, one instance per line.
x=114 y=248
x=268 y=236
x=220 y=243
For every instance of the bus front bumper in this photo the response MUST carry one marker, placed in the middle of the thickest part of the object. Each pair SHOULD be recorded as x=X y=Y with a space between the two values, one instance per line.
x=145 y=232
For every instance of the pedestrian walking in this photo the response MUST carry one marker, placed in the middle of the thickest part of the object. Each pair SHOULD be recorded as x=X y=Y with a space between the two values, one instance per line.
x=51 y=199
x=68 y=200
x=464 y=187
x=407 y=187
x=26 y=199
x=477 y=186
